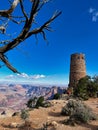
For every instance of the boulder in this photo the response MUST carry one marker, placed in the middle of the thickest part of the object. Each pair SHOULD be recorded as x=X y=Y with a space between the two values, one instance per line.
x=13 y=125
x=3 y=113
x=15 y=114
x=53 y=123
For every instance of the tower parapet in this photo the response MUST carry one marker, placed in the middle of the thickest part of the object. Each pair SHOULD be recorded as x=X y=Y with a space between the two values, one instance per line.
x=77 y=68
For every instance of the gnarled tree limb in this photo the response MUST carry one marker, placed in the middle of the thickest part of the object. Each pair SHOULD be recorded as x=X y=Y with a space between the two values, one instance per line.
x=2 y=57
x=6 y=13
x=27 y=30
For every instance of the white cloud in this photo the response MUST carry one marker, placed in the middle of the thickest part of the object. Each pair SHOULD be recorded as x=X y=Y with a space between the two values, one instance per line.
x=10 y=77
x=94 y=18
x=25 y=76
x=38 y=76
x=91 y=10
x=94 y=14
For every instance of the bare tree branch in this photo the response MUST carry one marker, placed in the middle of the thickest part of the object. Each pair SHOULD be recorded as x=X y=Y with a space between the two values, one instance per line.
x=6 y=13
x=2 y=57
x=17 y=22
x=23 y=10
x=44 y=26
x=3 y=28
x=4 y=42
x=26 y=31
x=10 y=2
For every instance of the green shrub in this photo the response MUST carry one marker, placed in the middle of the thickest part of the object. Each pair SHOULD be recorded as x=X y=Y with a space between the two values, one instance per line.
x=56 y=96
x=39 y=102
x=24 y=114
x=31 y=102
x=47 y=104
x=78 y=111
x=86 y=87
x=70 y=107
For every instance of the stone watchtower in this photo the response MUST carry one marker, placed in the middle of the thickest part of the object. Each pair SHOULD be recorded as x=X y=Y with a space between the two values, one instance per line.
x=77 y=69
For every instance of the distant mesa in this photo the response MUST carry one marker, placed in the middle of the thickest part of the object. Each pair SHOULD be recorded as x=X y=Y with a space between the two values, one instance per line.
x=77 y=68
x=16 y=100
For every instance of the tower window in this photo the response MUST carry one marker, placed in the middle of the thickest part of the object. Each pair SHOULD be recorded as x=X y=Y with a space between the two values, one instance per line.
x=78 y=57
x=82 y=57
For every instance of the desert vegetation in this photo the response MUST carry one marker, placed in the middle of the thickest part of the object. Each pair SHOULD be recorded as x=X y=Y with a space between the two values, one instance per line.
x=86 y=88
x=38 y=102
x=56 y=96
x=78 y=112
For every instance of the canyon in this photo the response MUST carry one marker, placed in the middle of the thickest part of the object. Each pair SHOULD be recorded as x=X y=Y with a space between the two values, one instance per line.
x=15 y=96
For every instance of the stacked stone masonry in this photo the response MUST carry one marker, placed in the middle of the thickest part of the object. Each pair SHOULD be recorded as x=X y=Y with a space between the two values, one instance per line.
x=77 y=69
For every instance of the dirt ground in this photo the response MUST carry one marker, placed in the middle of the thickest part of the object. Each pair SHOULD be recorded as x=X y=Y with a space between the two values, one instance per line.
x=40 y=116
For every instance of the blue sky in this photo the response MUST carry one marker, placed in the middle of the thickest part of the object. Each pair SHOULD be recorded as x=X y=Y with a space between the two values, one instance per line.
x=76 y=30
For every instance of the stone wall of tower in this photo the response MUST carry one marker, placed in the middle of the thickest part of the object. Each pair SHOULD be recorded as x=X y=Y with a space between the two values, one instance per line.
x=77 y=69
